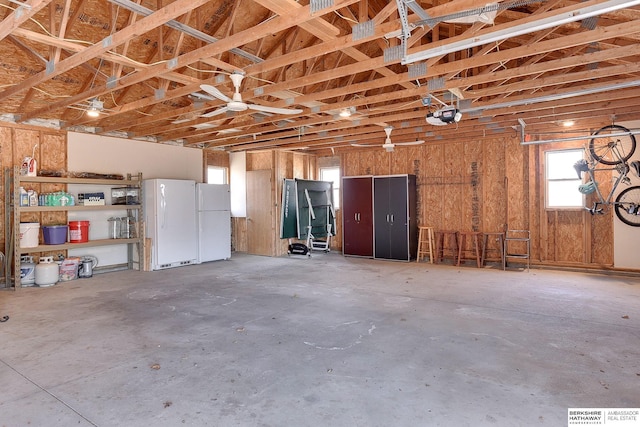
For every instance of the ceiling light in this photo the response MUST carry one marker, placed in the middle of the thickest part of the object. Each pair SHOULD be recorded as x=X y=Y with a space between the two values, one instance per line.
x=93 y=112
x=345 y=113
x=517 y=30
x=95 y=106
x=568 y=123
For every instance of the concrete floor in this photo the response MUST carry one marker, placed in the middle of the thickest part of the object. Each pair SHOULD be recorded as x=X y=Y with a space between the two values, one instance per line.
x=326 y=341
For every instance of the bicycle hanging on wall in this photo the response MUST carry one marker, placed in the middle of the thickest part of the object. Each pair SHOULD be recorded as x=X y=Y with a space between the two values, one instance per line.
x=610 y=149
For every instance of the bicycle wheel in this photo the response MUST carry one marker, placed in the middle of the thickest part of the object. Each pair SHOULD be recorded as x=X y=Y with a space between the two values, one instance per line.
x=612 y=150
x=627 y=206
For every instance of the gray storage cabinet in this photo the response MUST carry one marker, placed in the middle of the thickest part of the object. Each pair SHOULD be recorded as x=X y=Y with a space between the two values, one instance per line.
x=379 y=217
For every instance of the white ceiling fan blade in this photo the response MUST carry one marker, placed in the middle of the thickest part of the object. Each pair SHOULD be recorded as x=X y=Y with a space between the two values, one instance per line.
x=212 y=90
x=353 y=144
x=418 y=142
x=274 y=110
x=216 y=112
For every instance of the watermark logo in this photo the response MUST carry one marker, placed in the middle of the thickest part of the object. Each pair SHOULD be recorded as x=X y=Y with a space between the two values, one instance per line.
x=616 y=417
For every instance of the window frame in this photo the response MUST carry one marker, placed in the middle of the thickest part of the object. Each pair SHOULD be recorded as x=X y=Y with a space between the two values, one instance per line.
x=224 y=170
x=336 y=184
x=577 y=180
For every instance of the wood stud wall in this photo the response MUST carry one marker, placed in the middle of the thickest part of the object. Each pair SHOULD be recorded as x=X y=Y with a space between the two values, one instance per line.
x=491 y=184
x=481 y=185
x=17 y=142
x=283 y=164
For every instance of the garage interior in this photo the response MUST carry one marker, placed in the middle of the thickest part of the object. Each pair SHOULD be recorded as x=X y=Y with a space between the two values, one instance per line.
x=468 y=97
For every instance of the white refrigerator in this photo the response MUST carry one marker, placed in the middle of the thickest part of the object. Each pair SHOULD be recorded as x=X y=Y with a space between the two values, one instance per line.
x=213 y=213
x=170 y=222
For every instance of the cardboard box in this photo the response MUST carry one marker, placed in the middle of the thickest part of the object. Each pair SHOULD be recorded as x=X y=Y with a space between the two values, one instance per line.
x=91 y=199
x=125 y=196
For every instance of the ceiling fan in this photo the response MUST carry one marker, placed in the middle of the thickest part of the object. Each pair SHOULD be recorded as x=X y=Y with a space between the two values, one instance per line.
x=388 y=145
x=236 y=104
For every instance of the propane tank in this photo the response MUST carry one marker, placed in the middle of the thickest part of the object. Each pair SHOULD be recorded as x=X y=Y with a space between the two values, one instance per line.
x=47 y=272
x=27 y=271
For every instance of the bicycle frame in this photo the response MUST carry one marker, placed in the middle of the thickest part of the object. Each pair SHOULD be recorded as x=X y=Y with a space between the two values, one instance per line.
x=612 y=155
x=622 y=170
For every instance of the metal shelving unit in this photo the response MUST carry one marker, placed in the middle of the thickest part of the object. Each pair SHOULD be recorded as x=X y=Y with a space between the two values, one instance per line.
x=13 y=210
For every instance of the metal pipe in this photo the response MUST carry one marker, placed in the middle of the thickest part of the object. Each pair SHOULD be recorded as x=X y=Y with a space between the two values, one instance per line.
x=577 y=138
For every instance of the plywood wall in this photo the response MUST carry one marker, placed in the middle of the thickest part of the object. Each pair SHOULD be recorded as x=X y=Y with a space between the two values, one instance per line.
x=18 y=142
x=283 y=164
x=489 y=185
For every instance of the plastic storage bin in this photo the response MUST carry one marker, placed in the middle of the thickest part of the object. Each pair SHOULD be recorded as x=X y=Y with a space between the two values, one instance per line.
x=54 y=234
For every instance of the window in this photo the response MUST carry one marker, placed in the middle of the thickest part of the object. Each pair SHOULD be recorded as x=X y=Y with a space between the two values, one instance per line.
x=216 y=175
x=333 y=175
x=562 y=179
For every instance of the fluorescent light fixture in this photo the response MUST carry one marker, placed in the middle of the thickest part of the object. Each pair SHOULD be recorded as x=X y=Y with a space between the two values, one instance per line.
x=517 y=30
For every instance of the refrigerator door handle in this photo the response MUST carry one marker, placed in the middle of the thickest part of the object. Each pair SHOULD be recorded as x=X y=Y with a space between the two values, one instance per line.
x=163 y=206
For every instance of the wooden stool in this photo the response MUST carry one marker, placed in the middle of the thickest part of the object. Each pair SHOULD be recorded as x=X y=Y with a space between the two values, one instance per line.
x=446 y=245
x=475 y=246
x=492 y=237
x=425 y=237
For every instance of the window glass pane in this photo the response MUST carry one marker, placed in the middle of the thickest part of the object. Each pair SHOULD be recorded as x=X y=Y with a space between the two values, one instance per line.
x=564 y=194
x=332 y=175
x=562 y=180
x=560 y=164
x=216 y=175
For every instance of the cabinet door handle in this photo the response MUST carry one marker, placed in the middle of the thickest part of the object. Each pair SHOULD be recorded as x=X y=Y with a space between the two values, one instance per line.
x=391 y=217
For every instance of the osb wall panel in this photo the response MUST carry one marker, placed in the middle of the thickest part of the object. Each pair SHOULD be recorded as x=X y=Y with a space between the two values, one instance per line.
x=453 y=182
x=259 y=160
x=570 y=228
x=284 y=164
x=490 y=184
x=18 y=142
x=6 y=159
x=216 y=158
x=494 y=215
x=52 y=156
x=312 y=166
x=601 y=227
x=517 y=185
x=381 y=162
x=430 y=187
x=350 y=163
x=300 y=166
x=572 y=236
x=472 y=188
